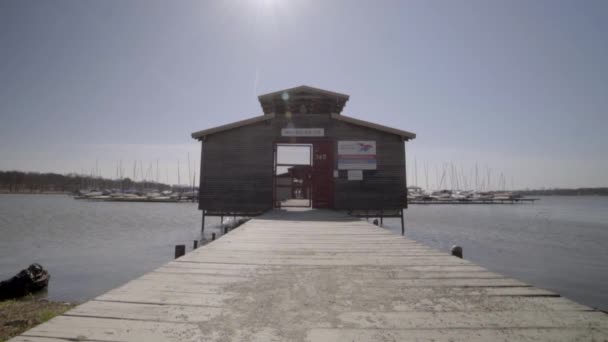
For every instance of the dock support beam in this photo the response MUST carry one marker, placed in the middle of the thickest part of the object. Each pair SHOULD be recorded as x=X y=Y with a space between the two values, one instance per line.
x=402 y=224
x=203 y=223
x=180 y=250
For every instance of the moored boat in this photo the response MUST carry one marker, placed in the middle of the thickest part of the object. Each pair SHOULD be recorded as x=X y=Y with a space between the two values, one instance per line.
x=30 y=280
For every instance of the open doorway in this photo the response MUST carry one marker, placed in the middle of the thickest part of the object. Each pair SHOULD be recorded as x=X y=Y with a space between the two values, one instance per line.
x=292 y=175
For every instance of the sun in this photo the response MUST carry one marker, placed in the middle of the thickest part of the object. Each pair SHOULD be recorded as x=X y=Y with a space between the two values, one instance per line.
x=268 y=5
x=266 y=2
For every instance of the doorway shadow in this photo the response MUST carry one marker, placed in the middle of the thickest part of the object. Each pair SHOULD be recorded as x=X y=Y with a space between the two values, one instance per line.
x=307 y=214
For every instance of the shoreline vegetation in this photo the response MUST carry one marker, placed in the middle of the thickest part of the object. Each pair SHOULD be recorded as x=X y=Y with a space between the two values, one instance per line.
x=19 y=315
x=20 y=182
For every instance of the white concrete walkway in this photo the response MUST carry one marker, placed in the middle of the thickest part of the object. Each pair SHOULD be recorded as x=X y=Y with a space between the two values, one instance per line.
x=322 y=276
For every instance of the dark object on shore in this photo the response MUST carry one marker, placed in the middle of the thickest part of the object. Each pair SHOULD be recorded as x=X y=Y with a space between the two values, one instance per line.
x=457 y=251
x=30 y=280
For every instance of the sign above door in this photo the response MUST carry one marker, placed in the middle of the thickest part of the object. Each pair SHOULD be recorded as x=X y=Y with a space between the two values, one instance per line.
x=302 y=132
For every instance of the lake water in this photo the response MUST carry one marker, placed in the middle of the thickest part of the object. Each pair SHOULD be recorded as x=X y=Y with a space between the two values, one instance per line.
x=559 y=243
x=91 y=247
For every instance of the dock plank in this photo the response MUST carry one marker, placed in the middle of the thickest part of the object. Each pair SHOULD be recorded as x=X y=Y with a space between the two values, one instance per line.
x=165 y=297
x=145 y=312
x=456 y=335
x=100 y=329
x=480 y=319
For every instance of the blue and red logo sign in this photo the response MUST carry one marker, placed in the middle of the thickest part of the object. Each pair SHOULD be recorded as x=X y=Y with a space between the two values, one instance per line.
x=365 y=147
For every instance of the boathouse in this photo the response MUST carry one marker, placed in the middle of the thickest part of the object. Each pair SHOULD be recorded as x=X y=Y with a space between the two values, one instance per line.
x=302 y=152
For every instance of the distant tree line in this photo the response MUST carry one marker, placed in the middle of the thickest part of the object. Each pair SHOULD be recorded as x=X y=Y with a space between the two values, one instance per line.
x=566 y=192
x=18 y=181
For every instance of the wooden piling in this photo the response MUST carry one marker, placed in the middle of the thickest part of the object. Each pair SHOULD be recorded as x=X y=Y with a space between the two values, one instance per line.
x=402 y=224
x=180 y=250
x=203 y=223
x=457 y=251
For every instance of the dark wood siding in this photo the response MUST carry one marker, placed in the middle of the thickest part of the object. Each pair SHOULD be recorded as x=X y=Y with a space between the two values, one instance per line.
x=237 y=170
x=238 y=165
x=383 y=188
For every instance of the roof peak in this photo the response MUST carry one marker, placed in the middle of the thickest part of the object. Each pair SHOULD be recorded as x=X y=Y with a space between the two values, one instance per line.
x=303 y=87
x=303 y=99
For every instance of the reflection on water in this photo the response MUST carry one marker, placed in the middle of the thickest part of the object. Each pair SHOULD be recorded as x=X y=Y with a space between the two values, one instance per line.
x=89 y=248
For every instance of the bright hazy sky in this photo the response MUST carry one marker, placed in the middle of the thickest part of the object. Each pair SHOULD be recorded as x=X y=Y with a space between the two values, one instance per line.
x=516 y=87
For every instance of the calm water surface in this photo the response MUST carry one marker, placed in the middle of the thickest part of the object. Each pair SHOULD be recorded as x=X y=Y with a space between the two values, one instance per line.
x=559 y=243
x=91 y=247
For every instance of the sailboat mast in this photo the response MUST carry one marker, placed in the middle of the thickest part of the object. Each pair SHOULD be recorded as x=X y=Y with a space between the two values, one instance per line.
x=178 y=176
x=426 y=175
x=436 y=177
x=476 y=178
x=489 y=184
x=416 y=171
x=189 y=173
x=442 y=176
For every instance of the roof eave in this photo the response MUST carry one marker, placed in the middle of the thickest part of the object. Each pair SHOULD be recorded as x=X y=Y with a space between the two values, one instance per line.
x=405 y=135
x=200 y=135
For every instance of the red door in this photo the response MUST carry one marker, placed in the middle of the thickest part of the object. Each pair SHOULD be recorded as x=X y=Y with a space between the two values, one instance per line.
x=323 y=174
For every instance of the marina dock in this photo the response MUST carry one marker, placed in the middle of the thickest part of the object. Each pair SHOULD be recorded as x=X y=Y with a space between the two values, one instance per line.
x=320 y=275
x=490 y=201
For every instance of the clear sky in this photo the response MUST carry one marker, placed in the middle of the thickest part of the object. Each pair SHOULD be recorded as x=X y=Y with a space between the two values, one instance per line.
x=519 y=88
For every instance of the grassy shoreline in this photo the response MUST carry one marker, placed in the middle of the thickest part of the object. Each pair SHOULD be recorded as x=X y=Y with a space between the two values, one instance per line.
x=17 y=316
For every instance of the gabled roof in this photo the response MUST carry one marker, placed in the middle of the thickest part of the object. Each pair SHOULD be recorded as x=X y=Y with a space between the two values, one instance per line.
x=405 y=135
x=303 y=99
x=201 y=134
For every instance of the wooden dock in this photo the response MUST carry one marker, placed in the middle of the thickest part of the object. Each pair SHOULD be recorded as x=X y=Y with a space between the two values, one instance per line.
x=322 y=276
